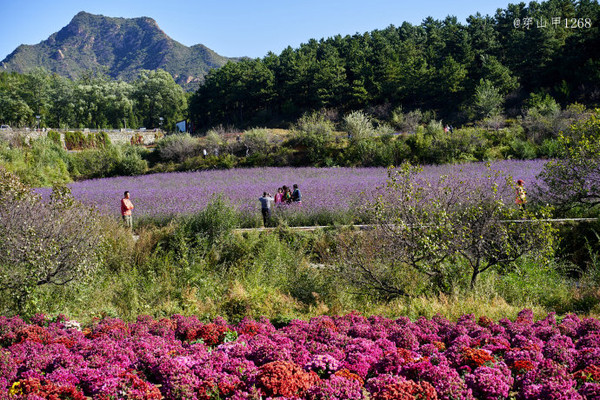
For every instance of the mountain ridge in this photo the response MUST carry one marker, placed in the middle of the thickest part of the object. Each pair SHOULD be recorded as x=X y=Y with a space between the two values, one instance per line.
x=119 y=47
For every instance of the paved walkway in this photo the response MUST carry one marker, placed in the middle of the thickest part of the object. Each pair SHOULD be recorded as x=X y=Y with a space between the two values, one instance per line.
x=371 y=226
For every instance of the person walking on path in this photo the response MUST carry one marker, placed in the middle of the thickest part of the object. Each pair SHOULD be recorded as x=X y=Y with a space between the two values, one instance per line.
x=521 y=198
x=126 y=207
x=265 y=202
x=296 y=195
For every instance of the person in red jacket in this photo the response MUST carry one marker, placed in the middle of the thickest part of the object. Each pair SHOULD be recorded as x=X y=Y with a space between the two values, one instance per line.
x=126 y=207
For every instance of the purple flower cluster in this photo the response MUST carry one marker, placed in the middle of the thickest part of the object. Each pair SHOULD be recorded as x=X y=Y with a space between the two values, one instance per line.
x=323 y=189
x=348 y=357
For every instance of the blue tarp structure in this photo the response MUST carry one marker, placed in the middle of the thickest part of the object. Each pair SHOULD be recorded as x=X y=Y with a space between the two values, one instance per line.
x=181 y=126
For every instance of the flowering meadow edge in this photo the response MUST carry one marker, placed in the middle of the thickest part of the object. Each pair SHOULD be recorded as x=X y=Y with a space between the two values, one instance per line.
x=323 y=189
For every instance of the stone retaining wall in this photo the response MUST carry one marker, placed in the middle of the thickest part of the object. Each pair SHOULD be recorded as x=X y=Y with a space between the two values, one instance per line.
x=116 y=137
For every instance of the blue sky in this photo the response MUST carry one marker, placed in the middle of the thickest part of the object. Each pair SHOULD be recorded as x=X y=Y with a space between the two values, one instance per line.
x=234 y=27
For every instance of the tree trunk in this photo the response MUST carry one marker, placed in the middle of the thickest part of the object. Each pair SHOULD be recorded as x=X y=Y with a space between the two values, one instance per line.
x=474 y=277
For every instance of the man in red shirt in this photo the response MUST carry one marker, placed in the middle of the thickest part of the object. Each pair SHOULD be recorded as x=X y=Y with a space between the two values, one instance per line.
x=126 y=207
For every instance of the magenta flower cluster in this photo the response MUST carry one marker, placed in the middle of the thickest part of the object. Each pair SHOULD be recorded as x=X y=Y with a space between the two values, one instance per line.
x=348 y=357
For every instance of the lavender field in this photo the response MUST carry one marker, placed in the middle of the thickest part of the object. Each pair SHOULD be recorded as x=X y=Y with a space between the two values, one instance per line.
x=323 y=189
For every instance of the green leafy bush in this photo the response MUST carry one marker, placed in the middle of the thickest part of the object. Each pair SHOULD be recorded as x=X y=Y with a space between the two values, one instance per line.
x=315 y=133
x=177 y=147
x=573 y=180
x=43 y=242
x=256 y=140
x=74 y=140
x=210 y=225
x=54 y=136
x=95 y=163
x=226 y=161
x=358 y=125
x=130 y=162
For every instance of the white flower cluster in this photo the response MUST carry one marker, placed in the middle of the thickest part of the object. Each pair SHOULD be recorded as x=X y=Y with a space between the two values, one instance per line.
x=73 y=325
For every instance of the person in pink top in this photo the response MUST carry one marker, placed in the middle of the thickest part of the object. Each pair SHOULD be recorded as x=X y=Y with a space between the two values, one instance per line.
x=126 y=207
x=279 y=196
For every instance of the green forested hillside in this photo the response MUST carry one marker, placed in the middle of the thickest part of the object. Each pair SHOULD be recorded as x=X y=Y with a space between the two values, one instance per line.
x=117 y=47
x=460 y=71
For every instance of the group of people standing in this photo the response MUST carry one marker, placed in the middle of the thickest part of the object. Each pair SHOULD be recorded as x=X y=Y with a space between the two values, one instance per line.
x=284 y=195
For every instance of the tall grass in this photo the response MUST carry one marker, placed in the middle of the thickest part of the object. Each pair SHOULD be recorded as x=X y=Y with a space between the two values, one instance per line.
x=280 y=275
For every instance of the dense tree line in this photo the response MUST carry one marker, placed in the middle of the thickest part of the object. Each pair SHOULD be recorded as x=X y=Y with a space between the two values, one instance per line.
x=90 y=102
x=460 y=71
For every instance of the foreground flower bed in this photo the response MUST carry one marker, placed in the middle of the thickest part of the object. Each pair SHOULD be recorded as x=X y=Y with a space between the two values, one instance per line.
x=350 y=357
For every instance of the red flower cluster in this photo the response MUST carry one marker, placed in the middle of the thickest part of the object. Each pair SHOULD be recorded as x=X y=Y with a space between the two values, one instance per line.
x=485 y=321
x=45 y=389
x=476 y=357
x=530 y=347
x=67 y=342
x=206 y=390
x=211 y=334
x=406 y=355
x=407 y=390
x=135 y=388
x=590 y=373
x=522 y=366
x=33 y=333
x=249 y=328
x=327 y=325
x=439 y=345
x=112 y=327
x=345 y=373
x=283 y=378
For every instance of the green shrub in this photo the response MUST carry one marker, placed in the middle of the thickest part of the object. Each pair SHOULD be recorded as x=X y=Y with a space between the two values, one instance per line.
x=315 y=133
x=500 y=137
x=131 y=163
x=214 y=141
x=284 y=156
x=177 y=148
x=434 y=128
x=550 y=148
x=530 y=282
x=54 y=136
x=43 y=163
x=420 y=146
x=99 y=139
x=522 y=149
x=226 y=161
x=487 y=100
x=370 y=153
x=257 y=140
x=43 y=242
x=406 y=122
x=358 y=125
x=467 y=144
x=95 y=163
x=74 y=140
x=210 y=225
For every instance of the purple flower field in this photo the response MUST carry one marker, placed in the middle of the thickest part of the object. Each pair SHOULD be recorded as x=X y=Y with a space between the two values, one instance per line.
x=335 y=358
x=331 y=189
